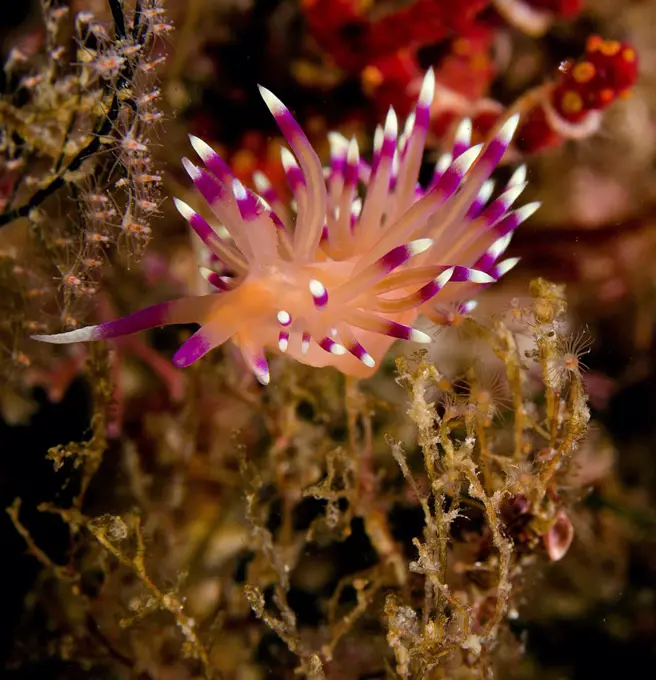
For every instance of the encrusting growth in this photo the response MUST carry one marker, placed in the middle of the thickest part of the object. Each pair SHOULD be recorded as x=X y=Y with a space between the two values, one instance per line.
x=350 y=274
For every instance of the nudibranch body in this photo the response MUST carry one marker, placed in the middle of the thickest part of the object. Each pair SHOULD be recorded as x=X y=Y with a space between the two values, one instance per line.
x=366 y=253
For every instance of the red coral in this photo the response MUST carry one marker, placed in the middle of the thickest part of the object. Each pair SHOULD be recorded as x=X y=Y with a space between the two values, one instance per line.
x=570 y=107
x=535 y=132
x=340 y=29
x=466 y=70
x=566 y=9
x=389 y=81
x=421 y=23
x=385 y=53
x=608 y=70
x=353 y=41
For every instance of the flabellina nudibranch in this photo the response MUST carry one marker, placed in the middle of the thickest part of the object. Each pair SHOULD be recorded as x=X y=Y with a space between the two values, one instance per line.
x=366 y=253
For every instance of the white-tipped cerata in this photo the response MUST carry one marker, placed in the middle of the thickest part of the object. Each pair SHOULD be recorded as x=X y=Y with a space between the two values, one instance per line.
x=284 y=318
x=507 y=131
x=288 y=160
x=261 y=181
x=368 y=360
x=420 y=245
x=467 y=158
x=443 y=163
x=274 y=104
x=185 y=210
x=78 y=335
x=420 y=336
x=464 y=132
x=518 y=177
x=203 y=149
x=427 y=92
x=527 y=210
x=353 y=153
x=504 y=267
x=391 y=124
x=191 y=169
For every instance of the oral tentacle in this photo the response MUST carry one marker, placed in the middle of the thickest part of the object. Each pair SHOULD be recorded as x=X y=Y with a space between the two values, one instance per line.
x=184 y=310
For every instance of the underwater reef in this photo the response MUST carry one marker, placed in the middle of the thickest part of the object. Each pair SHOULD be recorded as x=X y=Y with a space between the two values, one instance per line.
x=352 y=386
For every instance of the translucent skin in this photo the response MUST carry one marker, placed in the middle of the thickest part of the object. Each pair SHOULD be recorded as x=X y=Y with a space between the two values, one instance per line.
x=249 y=307
x=366 y=253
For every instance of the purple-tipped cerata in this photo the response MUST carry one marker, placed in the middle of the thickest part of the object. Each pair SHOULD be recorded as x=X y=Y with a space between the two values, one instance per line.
x=334 y=277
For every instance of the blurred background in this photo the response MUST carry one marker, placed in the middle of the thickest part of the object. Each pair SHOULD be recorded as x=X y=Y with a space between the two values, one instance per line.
x=75 y=248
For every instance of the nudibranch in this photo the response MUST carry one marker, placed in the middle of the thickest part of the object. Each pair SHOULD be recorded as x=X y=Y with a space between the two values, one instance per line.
x=364 y=253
